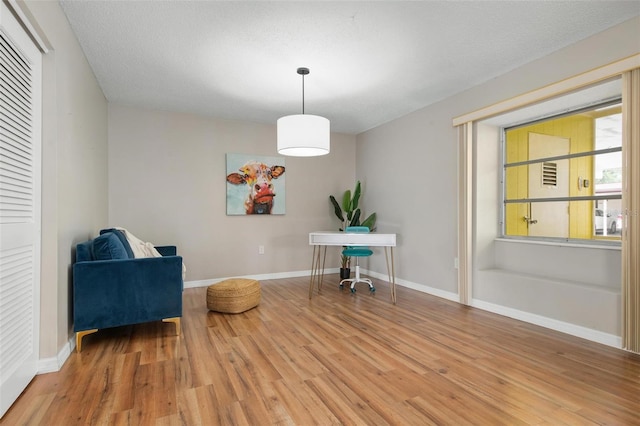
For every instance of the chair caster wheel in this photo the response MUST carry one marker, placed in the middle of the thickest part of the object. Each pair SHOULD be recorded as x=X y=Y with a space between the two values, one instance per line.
x=353 y=290
x=341 y=286
x=372 y=289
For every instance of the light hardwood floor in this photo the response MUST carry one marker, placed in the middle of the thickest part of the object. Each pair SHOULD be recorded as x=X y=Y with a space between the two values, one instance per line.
x=340 y=358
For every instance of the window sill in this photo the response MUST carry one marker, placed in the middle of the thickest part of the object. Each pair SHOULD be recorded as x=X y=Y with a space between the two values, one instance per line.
x=608 y=245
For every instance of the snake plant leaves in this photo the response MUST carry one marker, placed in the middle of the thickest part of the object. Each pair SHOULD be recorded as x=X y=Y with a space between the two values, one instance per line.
x=370 y=222
x=355 y=220
x=346 y=202
x=356 y=196
x=336 y=208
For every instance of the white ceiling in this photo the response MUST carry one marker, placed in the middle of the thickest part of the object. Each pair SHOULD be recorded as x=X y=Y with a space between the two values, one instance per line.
x=370 y=62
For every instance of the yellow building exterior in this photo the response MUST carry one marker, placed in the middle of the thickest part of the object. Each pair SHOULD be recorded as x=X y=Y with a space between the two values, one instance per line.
x=579 y=129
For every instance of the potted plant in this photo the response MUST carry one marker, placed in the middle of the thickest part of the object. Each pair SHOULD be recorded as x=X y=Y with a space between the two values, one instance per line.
x=345 y=267
x=349 y=214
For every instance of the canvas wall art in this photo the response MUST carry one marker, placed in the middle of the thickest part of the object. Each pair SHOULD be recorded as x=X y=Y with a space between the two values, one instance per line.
x=255 y=185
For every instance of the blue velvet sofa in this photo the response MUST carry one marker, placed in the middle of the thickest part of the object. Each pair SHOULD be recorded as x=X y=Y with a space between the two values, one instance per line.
x=111 y=288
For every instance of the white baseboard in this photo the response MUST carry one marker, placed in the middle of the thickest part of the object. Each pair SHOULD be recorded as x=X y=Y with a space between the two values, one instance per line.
x=274 y=276
x=53 y=364
x=48 y=365
x=404 y=283
x=561 y=326
x=415 y=286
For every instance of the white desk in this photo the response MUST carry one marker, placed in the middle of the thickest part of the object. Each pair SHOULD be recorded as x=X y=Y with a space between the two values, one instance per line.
x=320 y=240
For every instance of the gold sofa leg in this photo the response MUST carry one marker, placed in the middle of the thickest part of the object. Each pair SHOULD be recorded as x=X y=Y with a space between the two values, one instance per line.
x=80 y=335
x=176 y=321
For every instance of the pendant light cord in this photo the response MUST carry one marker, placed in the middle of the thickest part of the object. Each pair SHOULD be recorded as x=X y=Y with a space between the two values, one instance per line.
x=303 y=71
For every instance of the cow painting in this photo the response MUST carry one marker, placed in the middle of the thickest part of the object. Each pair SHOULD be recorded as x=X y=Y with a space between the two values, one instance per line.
x=257 y=178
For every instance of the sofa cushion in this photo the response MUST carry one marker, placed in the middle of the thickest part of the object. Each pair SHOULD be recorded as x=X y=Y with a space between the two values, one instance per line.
x=122 y=238
x=108 y=247
x=84 y=251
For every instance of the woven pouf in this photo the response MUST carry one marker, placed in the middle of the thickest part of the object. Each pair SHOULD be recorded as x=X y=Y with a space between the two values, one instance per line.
x=233 y=296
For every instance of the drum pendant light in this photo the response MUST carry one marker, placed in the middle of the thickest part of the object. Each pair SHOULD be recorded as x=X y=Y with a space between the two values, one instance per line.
x=303 y=135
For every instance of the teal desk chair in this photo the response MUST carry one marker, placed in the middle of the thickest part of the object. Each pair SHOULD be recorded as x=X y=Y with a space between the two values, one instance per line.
x=357 y=252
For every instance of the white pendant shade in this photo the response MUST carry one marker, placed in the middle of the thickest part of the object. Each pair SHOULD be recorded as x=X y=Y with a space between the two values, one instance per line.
x=303 y=135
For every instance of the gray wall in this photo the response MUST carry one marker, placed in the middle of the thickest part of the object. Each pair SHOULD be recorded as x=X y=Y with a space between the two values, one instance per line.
x=410 y=164
x=408 y=168
x=167 y=185
x=74 y=169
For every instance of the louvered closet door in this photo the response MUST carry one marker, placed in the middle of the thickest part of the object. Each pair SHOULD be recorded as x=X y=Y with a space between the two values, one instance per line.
x=20 y=105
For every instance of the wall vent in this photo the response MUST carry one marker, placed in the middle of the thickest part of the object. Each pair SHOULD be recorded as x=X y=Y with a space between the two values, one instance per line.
x=550 y=174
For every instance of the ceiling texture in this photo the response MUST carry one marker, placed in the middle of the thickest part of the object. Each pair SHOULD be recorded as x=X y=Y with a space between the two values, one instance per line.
x=370 y=62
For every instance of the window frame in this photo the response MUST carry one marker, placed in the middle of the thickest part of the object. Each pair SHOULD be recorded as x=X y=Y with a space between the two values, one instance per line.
x=594 y=241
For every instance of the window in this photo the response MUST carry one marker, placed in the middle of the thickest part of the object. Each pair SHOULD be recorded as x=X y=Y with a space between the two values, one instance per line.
x=563 y=175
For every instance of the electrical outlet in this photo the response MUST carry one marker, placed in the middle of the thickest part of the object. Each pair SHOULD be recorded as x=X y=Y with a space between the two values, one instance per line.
x=260 y=249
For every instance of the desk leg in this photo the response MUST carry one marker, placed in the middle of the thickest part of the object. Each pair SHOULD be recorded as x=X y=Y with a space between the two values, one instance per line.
x=324 y=257
x=392 y=274
x=313 y=271
x=317 y=268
